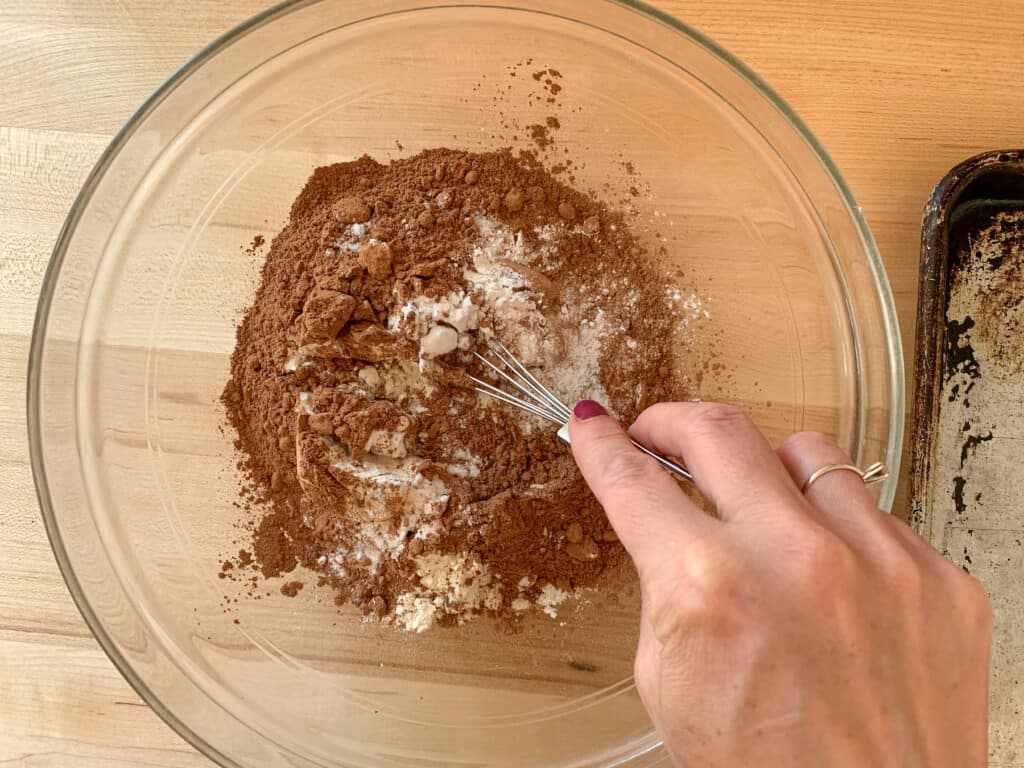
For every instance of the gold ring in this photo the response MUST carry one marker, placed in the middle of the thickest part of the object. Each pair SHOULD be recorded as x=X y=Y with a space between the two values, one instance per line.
x=873 y=474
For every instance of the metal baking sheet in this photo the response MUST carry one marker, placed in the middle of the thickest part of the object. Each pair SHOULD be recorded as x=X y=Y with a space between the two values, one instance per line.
x=967 y=461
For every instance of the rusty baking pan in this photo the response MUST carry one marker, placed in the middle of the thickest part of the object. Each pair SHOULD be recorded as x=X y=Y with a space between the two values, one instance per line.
x=967 y=460
x=973 y=233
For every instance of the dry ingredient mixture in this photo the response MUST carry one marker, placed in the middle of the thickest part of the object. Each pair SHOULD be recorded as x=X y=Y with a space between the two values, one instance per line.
x=369 y=459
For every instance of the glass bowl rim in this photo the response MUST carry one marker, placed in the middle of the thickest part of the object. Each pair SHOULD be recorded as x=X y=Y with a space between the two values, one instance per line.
x=890 y=322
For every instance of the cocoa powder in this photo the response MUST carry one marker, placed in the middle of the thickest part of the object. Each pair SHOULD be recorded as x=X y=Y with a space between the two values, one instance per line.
x=330 y=381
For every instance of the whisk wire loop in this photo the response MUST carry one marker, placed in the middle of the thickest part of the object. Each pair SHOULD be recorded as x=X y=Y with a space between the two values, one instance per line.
x=538 y=400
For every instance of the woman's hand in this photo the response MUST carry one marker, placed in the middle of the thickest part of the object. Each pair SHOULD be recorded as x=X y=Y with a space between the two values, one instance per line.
x=795 y=629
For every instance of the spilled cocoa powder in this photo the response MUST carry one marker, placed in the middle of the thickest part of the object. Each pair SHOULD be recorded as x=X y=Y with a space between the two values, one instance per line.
x=369 y=459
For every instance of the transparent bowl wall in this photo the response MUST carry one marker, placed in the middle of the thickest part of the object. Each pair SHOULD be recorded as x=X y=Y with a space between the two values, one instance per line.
x=136 y=322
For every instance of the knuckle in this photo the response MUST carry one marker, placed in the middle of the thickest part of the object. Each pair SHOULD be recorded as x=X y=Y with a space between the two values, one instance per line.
x=967 y=596
x=962 y=591
x=972 y=598
x=719 y=417
x=711 y=572
x=709 y=599
x=903 y=531
x=822 y=564
x=626 y=468
x=804 y=442
x=902 y=574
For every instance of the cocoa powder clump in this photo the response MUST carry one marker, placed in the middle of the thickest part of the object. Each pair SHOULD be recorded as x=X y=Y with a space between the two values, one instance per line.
x=368 y=457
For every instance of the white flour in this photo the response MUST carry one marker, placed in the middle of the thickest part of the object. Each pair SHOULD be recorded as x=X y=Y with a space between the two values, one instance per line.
x=449 y=585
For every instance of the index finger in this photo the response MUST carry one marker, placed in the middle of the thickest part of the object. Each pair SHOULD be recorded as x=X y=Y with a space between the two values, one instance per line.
x=732 y=463
x=652 y=516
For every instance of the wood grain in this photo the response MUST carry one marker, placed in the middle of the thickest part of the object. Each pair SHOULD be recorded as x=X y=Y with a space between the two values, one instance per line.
x=897 y=91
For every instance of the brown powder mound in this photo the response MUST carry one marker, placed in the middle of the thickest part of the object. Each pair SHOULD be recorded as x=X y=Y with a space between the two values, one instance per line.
x=368 y=458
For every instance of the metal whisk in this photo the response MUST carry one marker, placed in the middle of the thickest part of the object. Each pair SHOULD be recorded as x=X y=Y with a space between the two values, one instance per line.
x=533 y=397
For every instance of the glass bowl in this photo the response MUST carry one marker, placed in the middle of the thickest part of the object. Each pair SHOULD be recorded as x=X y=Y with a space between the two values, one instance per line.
x=137 y=481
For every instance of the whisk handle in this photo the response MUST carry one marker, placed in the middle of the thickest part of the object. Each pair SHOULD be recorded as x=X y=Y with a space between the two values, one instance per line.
x=671 y=466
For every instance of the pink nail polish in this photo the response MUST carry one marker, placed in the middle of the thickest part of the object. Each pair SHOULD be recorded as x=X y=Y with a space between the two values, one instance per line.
x=588 y=409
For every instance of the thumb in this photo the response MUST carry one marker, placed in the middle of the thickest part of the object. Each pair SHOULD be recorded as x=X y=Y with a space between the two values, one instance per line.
x=645 y=505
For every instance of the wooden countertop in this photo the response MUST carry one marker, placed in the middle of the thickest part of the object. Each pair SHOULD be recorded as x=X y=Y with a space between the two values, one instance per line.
x=897 y=91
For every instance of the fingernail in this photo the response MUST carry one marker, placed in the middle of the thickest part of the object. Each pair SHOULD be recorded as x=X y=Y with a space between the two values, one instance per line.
x=588 y=409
